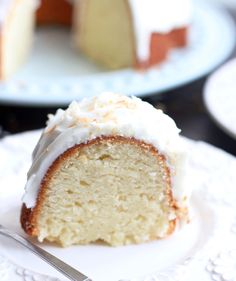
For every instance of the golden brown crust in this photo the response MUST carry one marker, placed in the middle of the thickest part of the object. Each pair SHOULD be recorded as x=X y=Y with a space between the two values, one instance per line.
x=27 y=220
x=54 y=11
x=172 y=226
x=161 y=44
x=29 y=216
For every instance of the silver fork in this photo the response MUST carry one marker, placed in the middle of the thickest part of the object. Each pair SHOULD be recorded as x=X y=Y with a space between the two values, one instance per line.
x=64 y=268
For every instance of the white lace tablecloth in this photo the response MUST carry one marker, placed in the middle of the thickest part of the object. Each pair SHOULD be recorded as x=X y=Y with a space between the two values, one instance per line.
x=211 y=173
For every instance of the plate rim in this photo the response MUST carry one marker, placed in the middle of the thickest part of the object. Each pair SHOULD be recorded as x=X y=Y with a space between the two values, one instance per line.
x=206 y=98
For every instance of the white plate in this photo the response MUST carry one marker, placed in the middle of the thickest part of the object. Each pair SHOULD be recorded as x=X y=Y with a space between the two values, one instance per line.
x=203 y=250
x=55 y=74
x=220 y=97
x=229 y=3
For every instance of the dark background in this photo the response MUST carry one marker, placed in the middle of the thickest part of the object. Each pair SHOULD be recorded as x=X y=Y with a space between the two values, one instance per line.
x=184 y=105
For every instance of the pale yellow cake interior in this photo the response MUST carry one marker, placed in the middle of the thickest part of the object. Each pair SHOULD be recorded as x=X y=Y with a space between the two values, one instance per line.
x=16 y=36
x=110 y=191
x=106 y=37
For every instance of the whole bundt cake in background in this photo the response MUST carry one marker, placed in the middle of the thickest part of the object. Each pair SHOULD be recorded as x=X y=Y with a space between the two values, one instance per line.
x=108 y=168
x=131 y=33
x=113 y=33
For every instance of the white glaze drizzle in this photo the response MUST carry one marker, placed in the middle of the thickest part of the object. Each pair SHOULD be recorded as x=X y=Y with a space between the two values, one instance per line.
x=107 y=114
x=6 y=6
x=160 y=16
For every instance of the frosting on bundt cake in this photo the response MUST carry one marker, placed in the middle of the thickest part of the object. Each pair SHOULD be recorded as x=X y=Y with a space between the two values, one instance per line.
x=157 y=16
x=109 y=168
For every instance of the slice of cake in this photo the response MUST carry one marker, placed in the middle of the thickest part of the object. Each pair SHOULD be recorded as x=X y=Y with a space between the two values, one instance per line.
x=108 y=168
x=131 y=33
x=17 y=19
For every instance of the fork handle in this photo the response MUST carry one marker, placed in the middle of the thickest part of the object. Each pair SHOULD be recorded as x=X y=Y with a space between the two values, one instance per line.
x=61 y=266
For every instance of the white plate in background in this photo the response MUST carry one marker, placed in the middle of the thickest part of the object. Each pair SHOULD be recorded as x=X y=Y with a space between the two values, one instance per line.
x=220 y=97
x=205 y=249
x=55 y=74
x=229 y=3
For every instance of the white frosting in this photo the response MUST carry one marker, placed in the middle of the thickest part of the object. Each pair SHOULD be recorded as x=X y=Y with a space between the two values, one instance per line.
x=107 y=114
x=6 y=5
x=160 y=16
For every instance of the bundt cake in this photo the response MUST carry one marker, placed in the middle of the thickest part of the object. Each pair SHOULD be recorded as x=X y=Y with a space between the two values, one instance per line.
x=124 y=33
x=113 y=33
x=108 y=168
